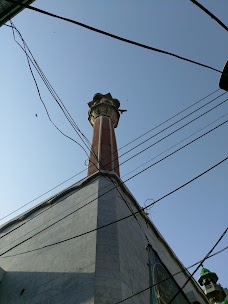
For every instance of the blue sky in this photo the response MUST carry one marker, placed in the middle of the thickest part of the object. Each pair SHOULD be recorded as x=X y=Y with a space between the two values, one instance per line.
x=151 y=86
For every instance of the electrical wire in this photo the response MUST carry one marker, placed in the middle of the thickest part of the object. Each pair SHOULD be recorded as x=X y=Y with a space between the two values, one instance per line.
x=175 y=151
x=210 y=14
x=48 y=191
x=179 y=120
x=102 y=159
x=46 y=110
x=113 y=36
x=172 y=276
x=191 y=121
x=159 y=125
x=200 y=264
x=111 y=223
x=51 y=89
x=55 y=96
x=175 y=145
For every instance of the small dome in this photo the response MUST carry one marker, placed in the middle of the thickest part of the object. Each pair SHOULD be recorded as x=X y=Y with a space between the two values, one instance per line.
x=204 y=270
x=225 y=302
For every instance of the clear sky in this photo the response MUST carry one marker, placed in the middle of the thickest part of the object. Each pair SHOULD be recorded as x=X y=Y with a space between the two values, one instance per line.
x=151 y=86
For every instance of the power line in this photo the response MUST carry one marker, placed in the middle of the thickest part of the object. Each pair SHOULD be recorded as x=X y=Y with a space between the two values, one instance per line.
x=173 y=124
x=104 y=193
x=115 y=151
x=198 y=101
x=114 y=222
x=207 y=255
x=51 y=90
x=172 y=276
x=210 y=14
x=31 y=201
x=174 y=153
x=55 y=95
x=168 y=136
x=37 y=88
x=111 y=35
x=175 y=144
x=148 y=147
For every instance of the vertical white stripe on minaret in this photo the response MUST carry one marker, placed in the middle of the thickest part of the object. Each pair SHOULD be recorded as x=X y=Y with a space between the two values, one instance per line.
x=99 y=143
x=111 y=143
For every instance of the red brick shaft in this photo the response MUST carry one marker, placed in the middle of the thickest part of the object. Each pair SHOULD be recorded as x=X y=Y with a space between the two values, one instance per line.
x=104 y=146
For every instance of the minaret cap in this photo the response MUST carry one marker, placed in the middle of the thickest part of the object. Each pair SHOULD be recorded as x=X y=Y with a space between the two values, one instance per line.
x=104 y=105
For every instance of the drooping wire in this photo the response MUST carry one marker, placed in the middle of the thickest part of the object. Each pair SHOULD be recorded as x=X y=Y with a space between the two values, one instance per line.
x=38 y=91
x=51 y=89
x=56 y=97
x=113 y=36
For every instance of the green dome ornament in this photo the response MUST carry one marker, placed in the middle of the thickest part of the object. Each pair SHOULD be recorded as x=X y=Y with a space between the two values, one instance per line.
x=204 y=271
x=225 y=302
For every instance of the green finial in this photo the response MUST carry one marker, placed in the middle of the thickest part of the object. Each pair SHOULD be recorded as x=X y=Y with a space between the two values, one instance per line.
x=204 y=270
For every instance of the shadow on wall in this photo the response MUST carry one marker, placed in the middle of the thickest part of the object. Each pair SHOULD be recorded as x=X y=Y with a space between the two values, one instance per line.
x=47 y=288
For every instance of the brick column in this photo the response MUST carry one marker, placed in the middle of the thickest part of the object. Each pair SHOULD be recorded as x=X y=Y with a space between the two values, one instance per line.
x=104 y=117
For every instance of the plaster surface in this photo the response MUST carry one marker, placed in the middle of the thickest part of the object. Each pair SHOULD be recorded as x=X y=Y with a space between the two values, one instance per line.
x=102 y=267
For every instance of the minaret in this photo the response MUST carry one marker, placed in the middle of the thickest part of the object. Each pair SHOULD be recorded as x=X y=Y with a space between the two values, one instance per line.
x=104 y=117
x=213 y=291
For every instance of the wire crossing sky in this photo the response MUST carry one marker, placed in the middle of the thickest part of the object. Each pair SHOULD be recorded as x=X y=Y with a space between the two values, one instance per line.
x=80 y=63
x=210 y=14
x=113 y=36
